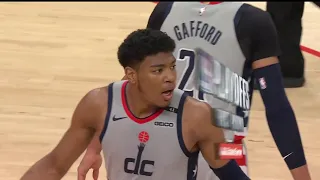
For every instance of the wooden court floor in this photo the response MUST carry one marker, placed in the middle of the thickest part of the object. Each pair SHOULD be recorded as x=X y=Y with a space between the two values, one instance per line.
x=51 y=54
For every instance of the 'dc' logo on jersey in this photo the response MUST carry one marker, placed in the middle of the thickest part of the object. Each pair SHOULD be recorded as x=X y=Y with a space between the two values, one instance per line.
x=139 y=166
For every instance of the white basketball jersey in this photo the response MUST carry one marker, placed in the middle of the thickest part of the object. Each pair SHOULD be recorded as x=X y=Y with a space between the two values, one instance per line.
x=209 y=31
x=151 y=148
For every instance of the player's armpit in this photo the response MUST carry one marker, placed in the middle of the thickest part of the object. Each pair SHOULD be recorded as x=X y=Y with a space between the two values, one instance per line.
x=85 y=122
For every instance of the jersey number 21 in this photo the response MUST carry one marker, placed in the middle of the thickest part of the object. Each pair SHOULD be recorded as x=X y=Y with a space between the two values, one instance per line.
x=189 y=56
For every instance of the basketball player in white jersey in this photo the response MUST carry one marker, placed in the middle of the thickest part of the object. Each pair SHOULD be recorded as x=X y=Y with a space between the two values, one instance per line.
x=148 y=129
x=241 y=40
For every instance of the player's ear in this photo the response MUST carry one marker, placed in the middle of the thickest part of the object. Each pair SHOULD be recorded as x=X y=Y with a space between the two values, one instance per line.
x=130 y=74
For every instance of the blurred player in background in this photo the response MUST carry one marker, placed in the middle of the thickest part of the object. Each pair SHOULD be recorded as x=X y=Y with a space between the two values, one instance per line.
x=241 y=41
x=287 y=17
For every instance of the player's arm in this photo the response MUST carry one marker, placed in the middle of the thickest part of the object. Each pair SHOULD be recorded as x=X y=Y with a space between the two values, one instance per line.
x=91 y=160
x=92 y=157
x=95 y=146
x=279 y=113
x=84 y=125
x=208 y=138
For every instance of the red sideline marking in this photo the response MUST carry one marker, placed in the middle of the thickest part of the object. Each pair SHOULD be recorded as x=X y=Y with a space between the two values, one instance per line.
x=310 y=51
x=303 y=48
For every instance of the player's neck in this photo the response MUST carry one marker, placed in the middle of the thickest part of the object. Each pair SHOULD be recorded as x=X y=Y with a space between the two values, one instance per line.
x=137 y=103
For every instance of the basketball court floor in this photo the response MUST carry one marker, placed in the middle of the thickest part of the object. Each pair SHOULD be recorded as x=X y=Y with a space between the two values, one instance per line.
x=51 y=54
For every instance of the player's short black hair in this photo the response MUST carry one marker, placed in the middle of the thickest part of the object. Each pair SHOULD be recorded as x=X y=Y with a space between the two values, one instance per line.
x=142 y=43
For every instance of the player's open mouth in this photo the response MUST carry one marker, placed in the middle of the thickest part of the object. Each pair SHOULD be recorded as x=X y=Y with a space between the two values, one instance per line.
x=167 y=95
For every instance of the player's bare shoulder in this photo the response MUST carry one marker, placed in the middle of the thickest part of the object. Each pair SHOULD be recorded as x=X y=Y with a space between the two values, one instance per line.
x=197 y=113
x=92 y=107
x=97 y=96
x=196 y=116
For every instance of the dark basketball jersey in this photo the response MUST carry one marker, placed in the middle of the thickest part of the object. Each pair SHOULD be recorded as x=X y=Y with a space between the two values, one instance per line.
x=148 y=148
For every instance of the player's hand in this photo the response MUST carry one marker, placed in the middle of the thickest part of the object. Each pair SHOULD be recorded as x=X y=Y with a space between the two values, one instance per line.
x=90 y=161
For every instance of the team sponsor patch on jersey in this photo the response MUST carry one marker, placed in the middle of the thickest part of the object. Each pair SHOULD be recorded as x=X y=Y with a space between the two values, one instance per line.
x=164 y=124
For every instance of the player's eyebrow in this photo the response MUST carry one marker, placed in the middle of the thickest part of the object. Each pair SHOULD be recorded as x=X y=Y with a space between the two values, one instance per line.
x=157 y=65
x=163 y=65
